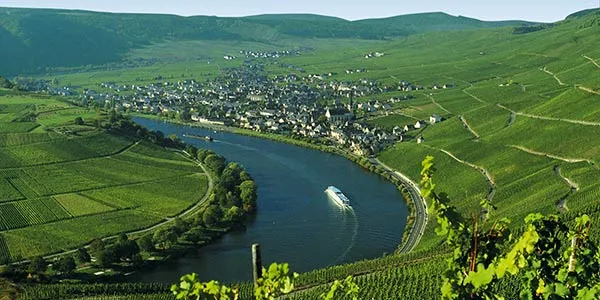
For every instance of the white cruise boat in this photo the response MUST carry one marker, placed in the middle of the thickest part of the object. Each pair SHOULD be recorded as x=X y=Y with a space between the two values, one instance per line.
x=338 y=197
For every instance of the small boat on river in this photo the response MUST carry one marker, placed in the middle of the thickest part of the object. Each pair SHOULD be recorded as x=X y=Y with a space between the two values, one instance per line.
x=205 y=137
x=338 y=197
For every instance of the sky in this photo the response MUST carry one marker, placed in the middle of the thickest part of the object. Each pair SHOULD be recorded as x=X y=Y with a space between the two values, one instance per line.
x=530 y=10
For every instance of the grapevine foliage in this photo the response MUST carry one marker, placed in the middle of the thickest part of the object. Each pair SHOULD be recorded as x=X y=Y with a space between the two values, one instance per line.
x=276 y=281
x=552 y=261
x=339 y=288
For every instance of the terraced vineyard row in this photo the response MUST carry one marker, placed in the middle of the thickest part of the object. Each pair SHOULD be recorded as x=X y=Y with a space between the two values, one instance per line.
x=134 y=291
x=4 y=251
x=18 y=139
x=30 y=212
x=8 y=192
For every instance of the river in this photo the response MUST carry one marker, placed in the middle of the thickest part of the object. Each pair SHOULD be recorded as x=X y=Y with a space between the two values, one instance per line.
x=296 y=222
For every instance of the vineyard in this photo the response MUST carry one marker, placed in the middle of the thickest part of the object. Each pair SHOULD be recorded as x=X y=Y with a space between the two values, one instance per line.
x=60 y=188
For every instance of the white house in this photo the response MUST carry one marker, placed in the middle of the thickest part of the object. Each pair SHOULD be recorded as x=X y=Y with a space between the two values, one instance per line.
x=435 y=119
x=419 y=124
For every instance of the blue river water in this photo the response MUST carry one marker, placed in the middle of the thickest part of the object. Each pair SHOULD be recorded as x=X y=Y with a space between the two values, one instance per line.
x=296 y=222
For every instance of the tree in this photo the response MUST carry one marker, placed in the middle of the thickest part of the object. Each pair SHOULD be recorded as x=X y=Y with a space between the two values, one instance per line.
x=180 y=226
x=97 y=245
x=227 y=180
x=245 y=176
x=106 y=257
x=235 y=169
x=215 y=162
x=185 y=114
x=137 y=260
x=191 y=150
x=198 y=221
x=174 y=138
x=65 y=265
x=248 y=195
x=194 y=235
x=37 y=265
x=122 y=238
x=212 y=215
x=166 y=238
x=233 y=214
x=79 y=121
x=201 y=154
x=145 y=243
x=126 y=249
x=112 y=116
x=10 y=290
x=82 y=256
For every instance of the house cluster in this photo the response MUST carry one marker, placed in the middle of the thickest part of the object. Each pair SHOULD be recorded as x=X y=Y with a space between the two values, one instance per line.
x=374 y=54
x=269 y=54
x=362 y=139
x=352 y=71
x=404 y=85
x=42 y=85
x=306 y=105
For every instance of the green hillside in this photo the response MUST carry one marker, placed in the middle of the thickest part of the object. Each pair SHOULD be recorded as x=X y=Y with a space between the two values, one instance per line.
x=521 y=128
x=63 y=184
x=39 y=39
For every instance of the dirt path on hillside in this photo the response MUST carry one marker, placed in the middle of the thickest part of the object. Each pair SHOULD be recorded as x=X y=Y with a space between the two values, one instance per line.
x=569 y=182
x=553 y=75
x=565 y=159
x=438 y=105
x=486 y=173
x=579 y=122
x=473 y=96
x=583 y=88
x=592 y=60
x=466 y=124
x=562 y=203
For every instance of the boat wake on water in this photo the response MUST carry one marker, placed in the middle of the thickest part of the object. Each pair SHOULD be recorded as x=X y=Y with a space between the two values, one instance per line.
x=236 y=145
x=343 y=202
x=352 y=239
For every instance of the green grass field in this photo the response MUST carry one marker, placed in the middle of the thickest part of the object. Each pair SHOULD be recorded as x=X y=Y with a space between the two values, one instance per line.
x=59 y=190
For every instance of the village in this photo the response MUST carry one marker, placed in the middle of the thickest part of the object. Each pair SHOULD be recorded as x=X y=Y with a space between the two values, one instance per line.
x=310 y=107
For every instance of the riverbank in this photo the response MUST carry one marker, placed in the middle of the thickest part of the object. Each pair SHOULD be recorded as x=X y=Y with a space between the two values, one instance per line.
x=417 y=216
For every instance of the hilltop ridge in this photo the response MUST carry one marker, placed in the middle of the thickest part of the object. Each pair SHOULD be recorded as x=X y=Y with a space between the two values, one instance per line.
x=36 y=40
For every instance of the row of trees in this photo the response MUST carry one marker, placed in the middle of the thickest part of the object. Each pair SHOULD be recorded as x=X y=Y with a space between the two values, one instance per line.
x=232 y=199
x=235 y=191
x=123 y=250
x=106 y=254
x=115 y=121
x=63 y=265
